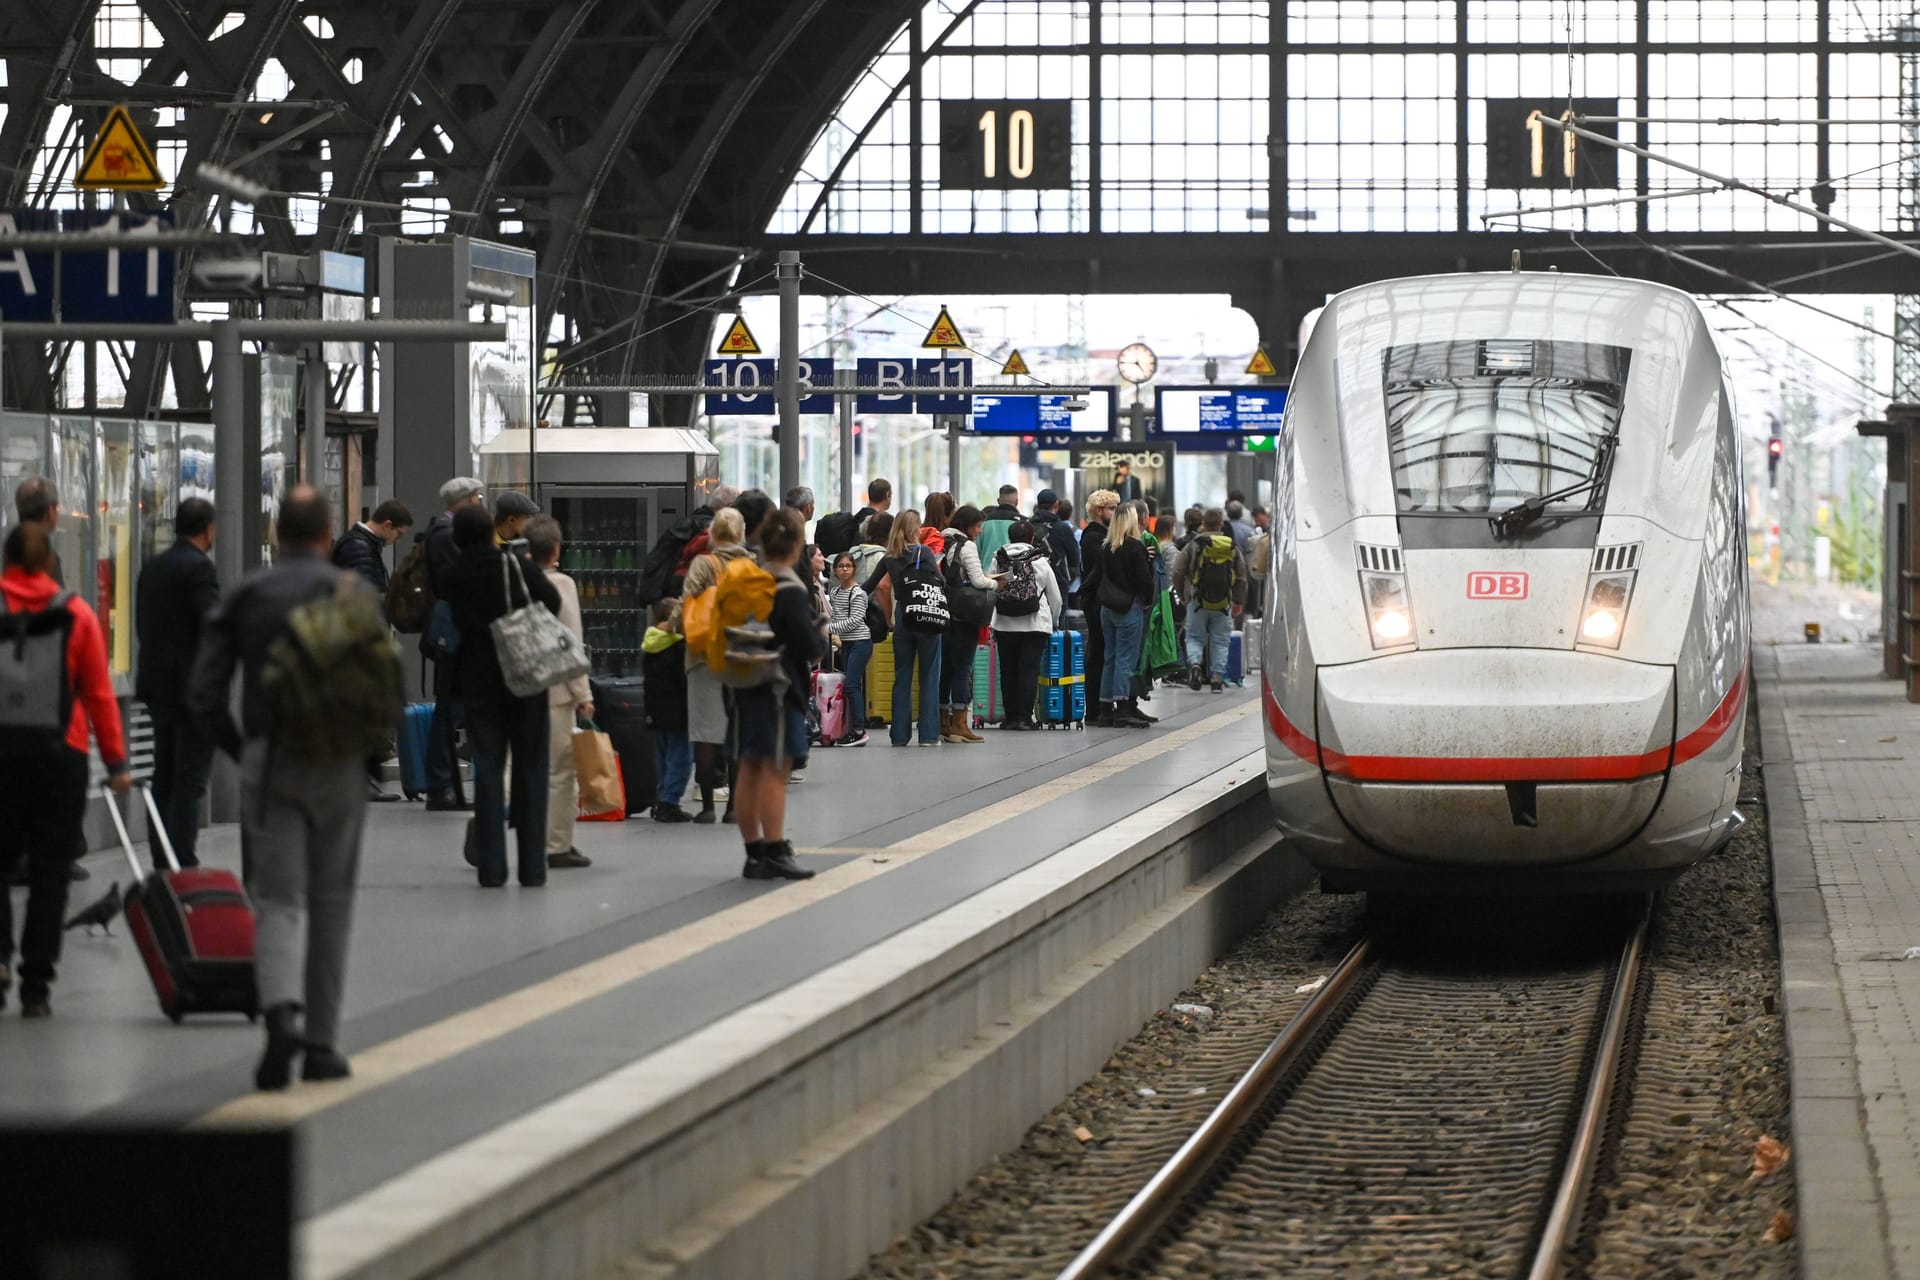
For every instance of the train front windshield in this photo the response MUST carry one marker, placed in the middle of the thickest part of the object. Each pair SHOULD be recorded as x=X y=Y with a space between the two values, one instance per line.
x=1477 y=426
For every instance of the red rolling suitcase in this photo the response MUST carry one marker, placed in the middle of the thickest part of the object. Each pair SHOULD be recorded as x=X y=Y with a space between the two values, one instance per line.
x=194 y=928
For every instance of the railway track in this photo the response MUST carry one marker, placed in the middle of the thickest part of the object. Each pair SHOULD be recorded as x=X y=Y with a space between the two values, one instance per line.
x=1408 y=1117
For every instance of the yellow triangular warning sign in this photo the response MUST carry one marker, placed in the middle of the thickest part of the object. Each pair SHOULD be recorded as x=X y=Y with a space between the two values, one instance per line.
x=1016 y=363
x=1261 y=366
x=945 y=333
x=120 y=158
x=739 y=340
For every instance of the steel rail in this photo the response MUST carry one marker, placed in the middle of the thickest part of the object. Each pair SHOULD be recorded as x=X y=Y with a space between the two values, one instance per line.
x=1589 y=1134
x=1163 y=1194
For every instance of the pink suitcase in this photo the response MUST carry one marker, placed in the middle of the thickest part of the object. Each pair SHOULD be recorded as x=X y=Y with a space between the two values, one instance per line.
x=830 y=700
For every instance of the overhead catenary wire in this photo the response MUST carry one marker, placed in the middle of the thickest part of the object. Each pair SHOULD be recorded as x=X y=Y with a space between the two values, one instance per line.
x=888 y=307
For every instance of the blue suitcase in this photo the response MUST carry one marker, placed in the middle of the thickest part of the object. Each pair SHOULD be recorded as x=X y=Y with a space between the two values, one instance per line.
x=410 y=744
x=1236 y=669
x=1063 y=686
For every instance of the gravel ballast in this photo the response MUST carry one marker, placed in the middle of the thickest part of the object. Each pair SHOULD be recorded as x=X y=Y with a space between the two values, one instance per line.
x=1681 y=1200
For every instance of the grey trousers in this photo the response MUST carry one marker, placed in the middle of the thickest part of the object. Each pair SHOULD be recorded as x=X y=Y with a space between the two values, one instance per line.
x=300 y=827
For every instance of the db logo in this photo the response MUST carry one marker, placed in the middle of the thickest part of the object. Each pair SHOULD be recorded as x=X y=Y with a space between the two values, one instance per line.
x=1496 y=586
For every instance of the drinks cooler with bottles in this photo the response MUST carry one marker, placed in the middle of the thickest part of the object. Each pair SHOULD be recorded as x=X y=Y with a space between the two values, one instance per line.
x=614 y=490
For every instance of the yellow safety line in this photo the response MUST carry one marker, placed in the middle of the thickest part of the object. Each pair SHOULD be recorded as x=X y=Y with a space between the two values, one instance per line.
x=463 y=1032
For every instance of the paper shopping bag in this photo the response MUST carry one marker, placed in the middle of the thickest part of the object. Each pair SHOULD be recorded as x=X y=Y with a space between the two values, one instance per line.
x=598 y=769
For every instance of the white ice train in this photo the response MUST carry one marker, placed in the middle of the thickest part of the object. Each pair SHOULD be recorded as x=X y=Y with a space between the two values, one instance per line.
x=1506 y=619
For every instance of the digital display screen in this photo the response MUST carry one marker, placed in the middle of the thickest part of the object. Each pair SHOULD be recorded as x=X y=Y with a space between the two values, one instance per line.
x=1042 y=415
x=1219 y=419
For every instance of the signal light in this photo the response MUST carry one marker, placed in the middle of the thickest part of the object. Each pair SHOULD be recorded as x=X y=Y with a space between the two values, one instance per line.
x=1775 y=446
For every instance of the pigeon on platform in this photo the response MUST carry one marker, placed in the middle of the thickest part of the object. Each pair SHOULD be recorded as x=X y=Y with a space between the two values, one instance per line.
x=100 y=913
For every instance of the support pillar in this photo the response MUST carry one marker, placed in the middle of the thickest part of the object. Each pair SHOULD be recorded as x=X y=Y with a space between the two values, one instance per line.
x=230 y=489
x=787 y=370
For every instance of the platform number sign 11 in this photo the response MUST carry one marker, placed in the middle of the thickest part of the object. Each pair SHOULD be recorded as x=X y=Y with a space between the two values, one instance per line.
x=1524 y=151
x=993 y=144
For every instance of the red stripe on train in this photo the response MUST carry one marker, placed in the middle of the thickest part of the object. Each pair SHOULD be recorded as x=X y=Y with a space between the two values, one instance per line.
x=1619 y=768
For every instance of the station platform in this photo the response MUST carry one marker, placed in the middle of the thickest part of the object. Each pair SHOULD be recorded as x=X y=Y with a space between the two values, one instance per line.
x=469 y=1012
x=1841 y=755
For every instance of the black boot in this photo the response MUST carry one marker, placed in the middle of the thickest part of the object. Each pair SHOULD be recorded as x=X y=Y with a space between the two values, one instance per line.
x=777 y=857
x=733 y=787
x=1133 y=708
x=1103 y=717
x=756 y=865
x=1127 y=716
x=323 y=1062
x=283 y=1041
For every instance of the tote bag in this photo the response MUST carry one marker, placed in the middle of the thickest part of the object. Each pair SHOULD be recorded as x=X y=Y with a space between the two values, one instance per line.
x=535 y=649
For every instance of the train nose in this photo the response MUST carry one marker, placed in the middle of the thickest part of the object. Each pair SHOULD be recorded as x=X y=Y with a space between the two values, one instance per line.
x=1490 y=757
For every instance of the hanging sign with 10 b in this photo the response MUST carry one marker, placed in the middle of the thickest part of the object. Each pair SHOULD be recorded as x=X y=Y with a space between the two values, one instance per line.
x=756 y=396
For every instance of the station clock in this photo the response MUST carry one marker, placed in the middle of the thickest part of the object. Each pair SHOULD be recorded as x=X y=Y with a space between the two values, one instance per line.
x=1137 y=362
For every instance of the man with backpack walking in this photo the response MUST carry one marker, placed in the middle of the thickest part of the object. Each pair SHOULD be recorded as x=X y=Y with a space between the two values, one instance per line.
x=320 y=682
x=55 y=695
x=1211 y=575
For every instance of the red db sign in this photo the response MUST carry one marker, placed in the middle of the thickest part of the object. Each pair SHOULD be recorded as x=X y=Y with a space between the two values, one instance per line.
x=1496 y=586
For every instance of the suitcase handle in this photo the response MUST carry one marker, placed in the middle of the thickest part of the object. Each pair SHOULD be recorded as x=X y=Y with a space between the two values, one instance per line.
x=157 y=830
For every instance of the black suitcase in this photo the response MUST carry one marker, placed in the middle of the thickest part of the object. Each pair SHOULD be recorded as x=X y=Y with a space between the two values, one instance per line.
x=620 y=710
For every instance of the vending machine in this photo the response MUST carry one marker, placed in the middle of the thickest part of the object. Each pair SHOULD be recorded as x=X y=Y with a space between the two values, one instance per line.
x=614 y=490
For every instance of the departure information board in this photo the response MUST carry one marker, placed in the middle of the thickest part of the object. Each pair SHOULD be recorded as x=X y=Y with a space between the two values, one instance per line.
x=1043 y=415
x=1217 y=419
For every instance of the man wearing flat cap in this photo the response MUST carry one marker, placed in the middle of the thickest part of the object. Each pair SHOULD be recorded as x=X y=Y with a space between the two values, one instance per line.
x=511 y=511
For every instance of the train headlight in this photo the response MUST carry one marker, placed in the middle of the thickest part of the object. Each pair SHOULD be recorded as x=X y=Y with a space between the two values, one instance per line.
x=1605 y=615
x=1389 y=618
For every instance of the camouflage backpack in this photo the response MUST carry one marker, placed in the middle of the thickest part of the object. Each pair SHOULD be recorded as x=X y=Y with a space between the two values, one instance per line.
x=332 y=682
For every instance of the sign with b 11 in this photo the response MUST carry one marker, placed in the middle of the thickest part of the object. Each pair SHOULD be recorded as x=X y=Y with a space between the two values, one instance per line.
x=756 y=397
x=120 y=285
x=920 y=383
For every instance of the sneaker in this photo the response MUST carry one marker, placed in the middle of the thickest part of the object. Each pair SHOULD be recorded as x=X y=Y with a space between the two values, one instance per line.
x=1193 y=679
x=670 y=813
x=1219 y=686
x=858 y=738
x=795 y=777
x=705 y=817
x=569 y=858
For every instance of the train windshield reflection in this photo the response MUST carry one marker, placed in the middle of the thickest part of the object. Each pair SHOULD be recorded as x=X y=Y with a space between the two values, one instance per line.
x=1480 y=424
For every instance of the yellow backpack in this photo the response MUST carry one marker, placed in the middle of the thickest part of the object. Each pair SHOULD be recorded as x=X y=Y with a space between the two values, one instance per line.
x=697 y=612
x=743 y=594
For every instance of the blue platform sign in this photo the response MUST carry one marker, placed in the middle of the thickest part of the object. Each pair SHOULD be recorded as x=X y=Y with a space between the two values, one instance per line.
x=885 y=372
x=919 y=381
x=122 y=285
x=756 y=396
x=942 y=371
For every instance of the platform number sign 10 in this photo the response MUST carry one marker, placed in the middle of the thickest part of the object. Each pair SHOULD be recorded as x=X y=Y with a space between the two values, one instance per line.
x=1006 y=144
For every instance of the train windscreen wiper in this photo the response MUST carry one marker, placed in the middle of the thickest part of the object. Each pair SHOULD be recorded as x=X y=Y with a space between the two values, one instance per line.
x=1515 y=519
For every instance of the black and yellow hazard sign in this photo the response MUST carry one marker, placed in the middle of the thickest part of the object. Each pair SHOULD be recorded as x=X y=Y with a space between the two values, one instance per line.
x=1261 y=366
x=945 y=333
x=1016 y=363
x=120 y=159
x=739 y=339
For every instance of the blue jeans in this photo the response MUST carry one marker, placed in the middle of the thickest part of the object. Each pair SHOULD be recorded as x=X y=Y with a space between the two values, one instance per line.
x=854 y=656
x=674 y=750
x=497 y=723
x=1123 y=632
x=910 y=650
x=1215 y=628
x=956 y=669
